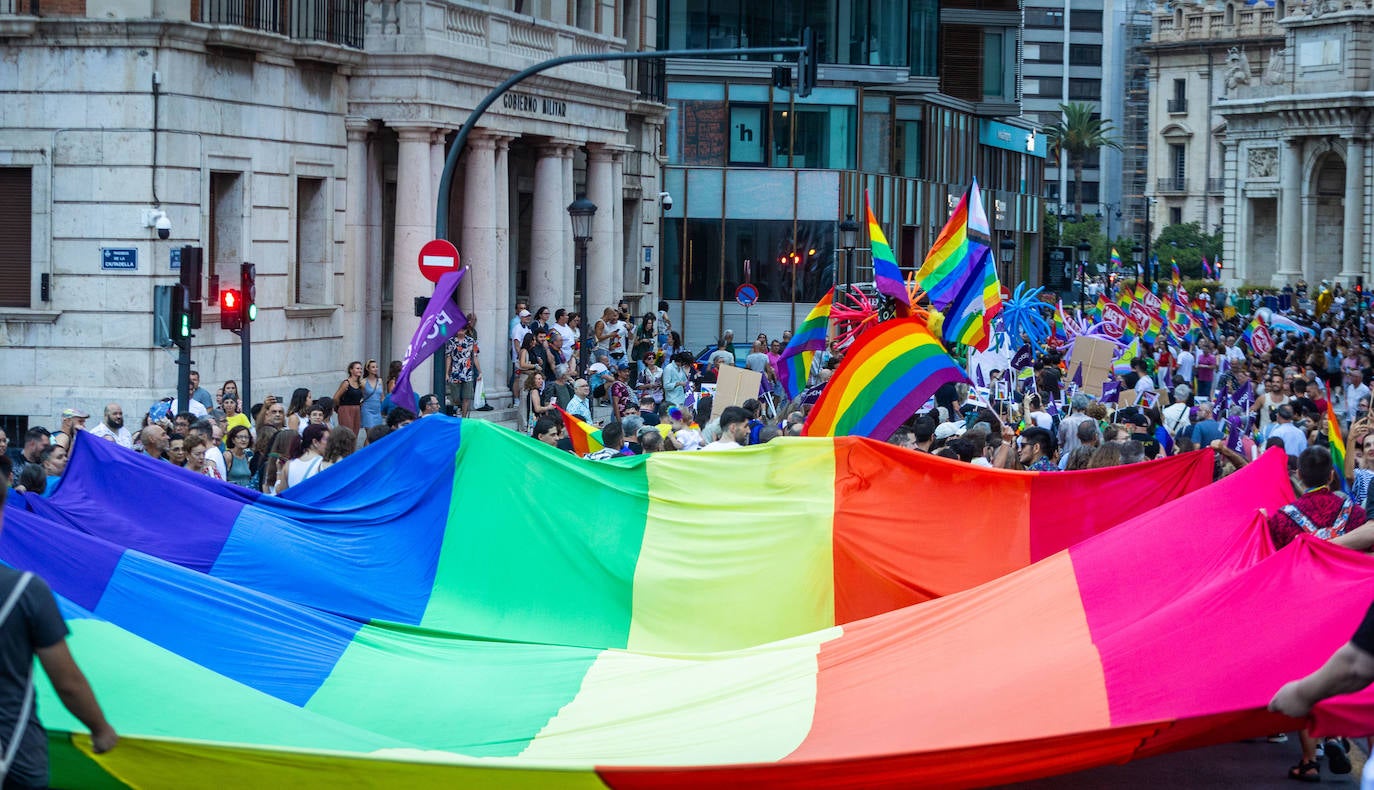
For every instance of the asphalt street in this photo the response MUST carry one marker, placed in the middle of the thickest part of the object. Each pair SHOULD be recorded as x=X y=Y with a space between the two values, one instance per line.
x=1231 y=765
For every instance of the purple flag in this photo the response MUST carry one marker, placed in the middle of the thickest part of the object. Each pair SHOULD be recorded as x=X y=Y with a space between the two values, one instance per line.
x=981 y=381
x=1165 y=440
x=1110 y=391
x=1246 y=395
x=1052 y=408
x=1022 y=358
x=1234 y=434
x=441 y=319
x=1222 y=400
x=1078 y=376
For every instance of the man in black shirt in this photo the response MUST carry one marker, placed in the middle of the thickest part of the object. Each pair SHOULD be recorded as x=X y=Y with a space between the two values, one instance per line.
x=31 y=623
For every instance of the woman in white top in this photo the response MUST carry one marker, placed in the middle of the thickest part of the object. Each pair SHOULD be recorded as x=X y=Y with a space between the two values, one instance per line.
x=313 y=443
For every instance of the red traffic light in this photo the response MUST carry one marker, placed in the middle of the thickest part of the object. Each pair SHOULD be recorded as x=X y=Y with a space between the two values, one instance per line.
x=230 y=309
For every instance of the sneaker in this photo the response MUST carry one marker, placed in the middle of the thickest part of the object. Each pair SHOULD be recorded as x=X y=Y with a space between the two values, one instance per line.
x=485 y=407
x=1279 y=738
x=1336 y=758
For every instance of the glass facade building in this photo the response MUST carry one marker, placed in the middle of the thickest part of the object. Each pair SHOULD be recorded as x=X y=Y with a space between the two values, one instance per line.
x=916 y=99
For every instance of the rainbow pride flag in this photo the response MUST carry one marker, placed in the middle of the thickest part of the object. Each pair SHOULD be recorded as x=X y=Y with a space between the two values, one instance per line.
x=1207 y=269
x=794 y=363
x=394 y=624
x=886 y=375
x=1099 y=307
x=1116 y=260
x=887 y=276
x=1122 y=365
x=1173 y=272
x=1060 y=324
x=1248 y=332
x=1333 y=436
x=960 y=275
x=585 y=437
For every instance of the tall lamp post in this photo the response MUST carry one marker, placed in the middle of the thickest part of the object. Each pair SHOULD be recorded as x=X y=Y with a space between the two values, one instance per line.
x=581 y=211
x=1008 y=254
x=1084 y=250
x=1138 y=256
x=849 y=239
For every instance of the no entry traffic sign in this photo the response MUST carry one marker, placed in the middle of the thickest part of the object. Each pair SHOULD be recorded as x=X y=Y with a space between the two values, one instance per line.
x=437 y=258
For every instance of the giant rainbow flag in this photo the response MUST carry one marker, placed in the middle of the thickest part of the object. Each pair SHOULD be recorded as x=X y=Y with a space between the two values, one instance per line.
x=412 y=617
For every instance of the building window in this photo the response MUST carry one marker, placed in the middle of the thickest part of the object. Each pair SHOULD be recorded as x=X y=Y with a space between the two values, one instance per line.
x=1179 y=102
x=1178 y=161
x=748 y=134
x=224 y=247
x=877 y=31
x=877 y=134
x=16 y=237
x=1044 y=52
x=1086 y=20
x=923 y=39
x=814 y=137
x=908 y=149
x=790 y=260
x=1081 y=89
x=1085 y=55
x=312 y=242
x=1175 y=215
x=993 y=55
x=1045 y=18
x=1043 y=88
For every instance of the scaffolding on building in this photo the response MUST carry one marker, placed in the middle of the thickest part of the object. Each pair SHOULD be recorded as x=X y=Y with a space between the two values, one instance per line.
x=1135 y=121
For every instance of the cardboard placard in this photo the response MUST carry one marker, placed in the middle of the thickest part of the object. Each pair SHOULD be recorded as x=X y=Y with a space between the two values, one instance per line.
x=734 y=386
x=1094 y=355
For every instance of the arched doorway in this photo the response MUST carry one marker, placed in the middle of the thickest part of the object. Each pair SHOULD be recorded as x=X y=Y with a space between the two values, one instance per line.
x=1328 y=218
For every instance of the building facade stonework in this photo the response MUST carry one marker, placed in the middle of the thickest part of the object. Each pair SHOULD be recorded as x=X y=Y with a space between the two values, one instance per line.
x=1297 y=151
x=311 y=144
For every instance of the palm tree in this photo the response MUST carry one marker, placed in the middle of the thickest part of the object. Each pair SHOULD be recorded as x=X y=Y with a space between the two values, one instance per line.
x=1078 y=133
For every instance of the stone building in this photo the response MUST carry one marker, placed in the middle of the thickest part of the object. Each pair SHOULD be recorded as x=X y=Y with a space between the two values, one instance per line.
x=306 y=138
x=1297 y=148
x=1201 y=55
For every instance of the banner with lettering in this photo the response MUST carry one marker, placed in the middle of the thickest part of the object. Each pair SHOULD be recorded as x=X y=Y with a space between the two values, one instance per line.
x=441 y=319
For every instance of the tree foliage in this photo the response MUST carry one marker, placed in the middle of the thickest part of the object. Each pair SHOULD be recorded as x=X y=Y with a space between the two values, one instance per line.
x=1078 y=133
x=1186 y=243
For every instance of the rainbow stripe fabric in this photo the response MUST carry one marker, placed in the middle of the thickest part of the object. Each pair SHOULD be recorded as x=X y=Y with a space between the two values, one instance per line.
x=1333 y=436
x=1248 y=333
x=794 y=363
x=1173 y=272
x=960 y=275
x=388 y=623
x=585 y=437
x=887 y=276
x=886 y=375
x=1116 y=260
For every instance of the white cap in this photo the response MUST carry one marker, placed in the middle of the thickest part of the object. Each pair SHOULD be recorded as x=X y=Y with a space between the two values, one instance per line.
x=597 y=367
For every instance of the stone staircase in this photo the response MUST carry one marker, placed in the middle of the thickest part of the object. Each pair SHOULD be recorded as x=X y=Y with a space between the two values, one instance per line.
x=503 y=413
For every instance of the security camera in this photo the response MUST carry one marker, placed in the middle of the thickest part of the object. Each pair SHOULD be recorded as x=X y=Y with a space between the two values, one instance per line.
x=667 y=201
x=164 y=226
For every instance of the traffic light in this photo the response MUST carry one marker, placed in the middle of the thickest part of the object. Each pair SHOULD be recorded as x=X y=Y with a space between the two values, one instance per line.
x=248 y=281
x=181 y=316
x=230 y=309
x=191 y=269
x=806 y=63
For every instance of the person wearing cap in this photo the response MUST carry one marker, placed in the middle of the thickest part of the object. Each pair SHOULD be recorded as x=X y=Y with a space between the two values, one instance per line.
x=520 y=329
x=948 y=430
x=1139 y=425
x=73 y=420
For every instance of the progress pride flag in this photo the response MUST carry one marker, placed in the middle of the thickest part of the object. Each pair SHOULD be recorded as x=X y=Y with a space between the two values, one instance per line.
x=441 y=319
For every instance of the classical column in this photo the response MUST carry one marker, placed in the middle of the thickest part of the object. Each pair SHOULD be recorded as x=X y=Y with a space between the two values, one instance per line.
x=1310 y=205
x=624 y=280
x=436 y=170
x=356 y=260
x=546 y=230
x=495 y=334
x=477 y=246
x=569 y=246
x=602 y=281
x=1290 y=212
x=376 y=254
x=1352 y=258
x=414 y=227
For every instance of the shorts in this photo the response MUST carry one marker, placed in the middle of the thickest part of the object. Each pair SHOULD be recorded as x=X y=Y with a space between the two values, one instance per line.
x=459 y=391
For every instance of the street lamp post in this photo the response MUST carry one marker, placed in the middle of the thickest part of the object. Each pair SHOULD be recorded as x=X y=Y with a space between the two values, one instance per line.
x=581 y=212
x=1084 y=250
x=849 y=239
x=1138 y=256
x=1008 y=255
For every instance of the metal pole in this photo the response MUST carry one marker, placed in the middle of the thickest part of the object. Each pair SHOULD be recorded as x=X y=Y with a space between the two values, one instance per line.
x=583 y=352
x=183 y=403
x=246 y=361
